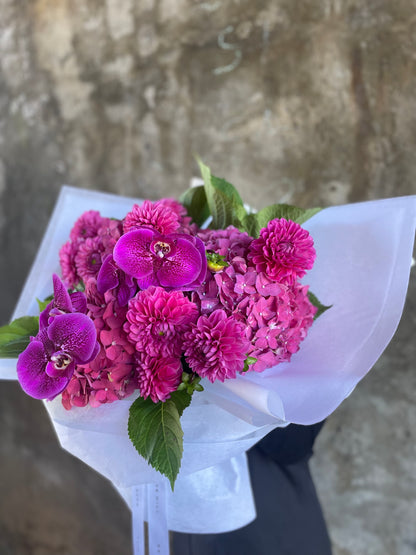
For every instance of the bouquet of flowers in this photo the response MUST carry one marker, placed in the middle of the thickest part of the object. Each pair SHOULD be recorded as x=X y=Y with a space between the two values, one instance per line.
x=174 y=325
x=153 y=304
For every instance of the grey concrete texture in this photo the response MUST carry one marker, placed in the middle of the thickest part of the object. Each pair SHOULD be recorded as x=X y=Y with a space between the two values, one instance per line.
x=306 y=102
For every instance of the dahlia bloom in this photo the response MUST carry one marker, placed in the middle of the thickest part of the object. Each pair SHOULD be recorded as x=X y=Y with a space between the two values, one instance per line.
x=175 y=261
x=284 y=251
x=87 y=225
x=153 y=215
x=158 y=376
x=185 y=222
x=88 y=259
x=67 y=256
x=157 y=320
x=216 y=347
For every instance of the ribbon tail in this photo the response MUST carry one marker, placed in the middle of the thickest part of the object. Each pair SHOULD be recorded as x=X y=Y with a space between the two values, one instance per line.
x=158 y=523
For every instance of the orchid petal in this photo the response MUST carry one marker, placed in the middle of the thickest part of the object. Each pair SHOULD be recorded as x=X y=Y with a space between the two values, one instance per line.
x=183 y=268
x=61 y=298
x=44 y=316
x=132 y=252
x=107 y=276
x=35 y=382
x=75 y=334
x=79 y=302
x=54 y=372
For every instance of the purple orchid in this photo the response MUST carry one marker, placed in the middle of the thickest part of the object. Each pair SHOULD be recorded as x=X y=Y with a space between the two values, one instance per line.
x=45 y=367
x=111 y=277
x=173 y=261
x=62 y=303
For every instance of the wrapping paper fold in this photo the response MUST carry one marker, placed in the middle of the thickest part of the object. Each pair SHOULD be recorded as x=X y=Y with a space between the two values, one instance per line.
x=364 y=254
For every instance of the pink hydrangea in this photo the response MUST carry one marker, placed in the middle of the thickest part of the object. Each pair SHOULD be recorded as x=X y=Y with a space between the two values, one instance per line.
x=116 y=345
x=158 y=376
x=276 y=324
x=102 y=381
x=216 y=347
x=284 y=251
x=157 y=320
x=229 y=242
x=109 y=233
x=153 y=215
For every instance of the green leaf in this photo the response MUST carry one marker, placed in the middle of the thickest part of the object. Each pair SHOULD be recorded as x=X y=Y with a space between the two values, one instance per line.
x=43 y=304
x=195 y=202
x=182 y=400
x=223 y=199
x=155 y=431
x=321 y=307
x=248 y=362
x=15 y=337
x=253 y=223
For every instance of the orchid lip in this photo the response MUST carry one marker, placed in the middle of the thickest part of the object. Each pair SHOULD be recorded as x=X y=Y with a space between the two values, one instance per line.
x=61 y=360
x=162 y=248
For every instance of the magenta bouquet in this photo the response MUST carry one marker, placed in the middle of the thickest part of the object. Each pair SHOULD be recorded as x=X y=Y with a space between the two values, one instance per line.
x=151 y=304
x=180 y=333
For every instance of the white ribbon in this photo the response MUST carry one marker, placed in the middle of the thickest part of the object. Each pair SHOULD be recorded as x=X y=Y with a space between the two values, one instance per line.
x=148 y=503
x=157 y=518
x=137 y=512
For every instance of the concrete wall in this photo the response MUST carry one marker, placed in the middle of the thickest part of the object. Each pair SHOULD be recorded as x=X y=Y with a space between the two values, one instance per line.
x=306 y=102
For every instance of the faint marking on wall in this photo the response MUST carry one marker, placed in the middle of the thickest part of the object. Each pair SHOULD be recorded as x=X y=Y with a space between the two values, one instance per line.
x=53 y=26
x=120 y=18
x=210 y=7
x=228 y=46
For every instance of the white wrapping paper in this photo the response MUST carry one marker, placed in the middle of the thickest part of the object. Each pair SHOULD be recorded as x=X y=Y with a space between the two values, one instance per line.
x=364 y=254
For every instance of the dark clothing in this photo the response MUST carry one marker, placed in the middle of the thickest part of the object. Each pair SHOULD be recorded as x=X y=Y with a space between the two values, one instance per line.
x=289 y=517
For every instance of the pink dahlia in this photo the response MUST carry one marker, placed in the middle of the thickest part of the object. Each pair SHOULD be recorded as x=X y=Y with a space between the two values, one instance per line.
x=153 y=215
x=88 y=259
x=185 y=222
x=67 y=256
x=216 y=347
x=87 y=225
x=284 y=251
x=157 y=320
x=158 y=376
